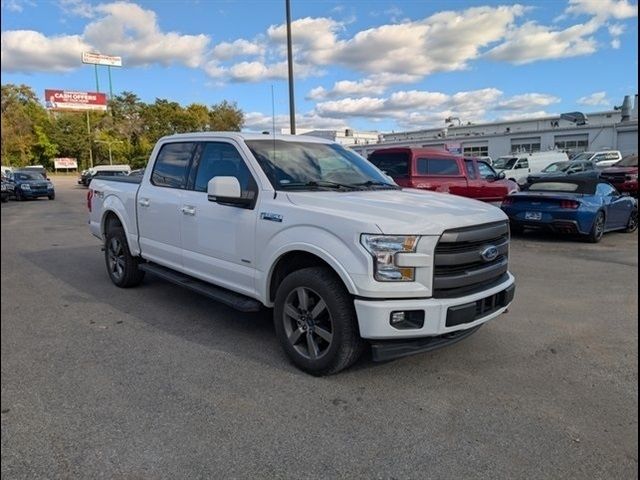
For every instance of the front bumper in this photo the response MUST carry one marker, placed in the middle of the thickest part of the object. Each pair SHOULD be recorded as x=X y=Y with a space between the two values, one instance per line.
x=441 y=315
x=37 y=194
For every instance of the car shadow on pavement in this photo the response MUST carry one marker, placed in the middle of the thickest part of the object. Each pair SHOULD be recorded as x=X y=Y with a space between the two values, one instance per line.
x=167 y=307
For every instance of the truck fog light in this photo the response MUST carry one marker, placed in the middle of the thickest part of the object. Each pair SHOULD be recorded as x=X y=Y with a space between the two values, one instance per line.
x=406 y=320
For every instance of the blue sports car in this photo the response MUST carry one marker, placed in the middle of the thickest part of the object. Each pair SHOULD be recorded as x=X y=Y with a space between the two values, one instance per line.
x=579 y=204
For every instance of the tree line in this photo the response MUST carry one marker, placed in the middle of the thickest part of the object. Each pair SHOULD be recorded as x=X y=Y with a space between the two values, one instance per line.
x=32 y=135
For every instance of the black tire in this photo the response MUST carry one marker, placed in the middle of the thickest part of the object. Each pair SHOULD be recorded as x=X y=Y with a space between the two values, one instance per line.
x=337 y=318
x=122 y=267
x=52 y=197
x=4 y=198
x=19 y=196
x=632 y=224
x=597 y=230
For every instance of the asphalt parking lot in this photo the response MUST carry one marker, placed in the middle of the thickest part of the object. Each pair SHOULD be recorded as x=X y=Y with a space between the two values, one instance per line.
x=158 y=382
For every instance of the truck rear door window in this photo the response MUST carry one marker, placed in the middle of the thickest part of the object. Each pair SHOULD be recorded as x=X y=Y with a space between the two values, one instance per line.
x=393 y=164
x=438 y=166
x=172 y=165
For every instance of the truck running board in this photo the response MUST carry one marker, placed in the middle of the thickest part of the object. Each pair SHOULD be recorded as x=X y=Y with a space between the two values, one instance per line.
x=222 y=295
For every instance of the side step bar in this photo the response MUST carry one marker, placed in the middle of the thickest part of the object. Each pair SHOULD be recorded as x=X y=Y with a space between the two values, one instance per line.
x=222 y=295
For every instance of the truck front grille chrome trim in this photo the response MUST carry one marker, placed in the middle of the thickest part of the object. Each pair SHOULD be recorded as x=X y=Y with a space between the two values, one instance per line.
x=459 y=266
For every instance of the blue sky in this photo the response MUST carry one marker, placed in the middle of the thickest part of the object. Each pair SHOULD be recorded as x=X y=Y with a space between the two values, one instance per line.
x=370 y=65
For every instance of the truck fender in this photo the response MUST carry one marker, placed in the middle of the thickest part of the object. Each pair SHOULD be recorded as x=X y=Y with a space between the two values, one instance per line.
x=301 y=246
x=112 y=204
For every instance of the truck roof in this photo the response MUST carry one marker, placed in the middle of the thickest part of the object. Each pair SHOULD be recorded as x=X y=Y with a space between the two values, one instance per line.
x=242 y=136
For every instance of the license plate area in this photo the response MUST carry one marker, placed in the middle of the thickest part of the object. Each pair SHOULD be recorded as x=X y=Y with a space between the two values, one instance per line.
x=533 y=215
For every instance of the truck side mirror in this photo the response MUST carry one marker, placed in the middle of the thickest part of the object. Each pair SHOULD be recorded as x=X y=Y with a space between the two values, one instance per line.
x=502 y=176
x=226 y=191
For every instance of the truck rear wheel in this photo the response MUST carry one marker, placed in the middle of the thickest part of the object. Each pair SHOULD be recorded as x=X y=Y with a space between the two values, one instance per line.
x=315 y=321
x=121 y=265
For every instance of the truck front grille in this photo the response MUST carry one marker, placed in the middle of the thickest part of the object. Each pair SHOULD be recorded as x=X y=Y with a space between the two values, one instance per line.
x=459 y=266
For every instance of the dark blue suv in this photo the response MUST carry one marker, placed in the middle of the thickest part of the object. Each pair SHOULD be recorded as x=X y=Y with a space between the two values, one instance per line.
x=32 y=185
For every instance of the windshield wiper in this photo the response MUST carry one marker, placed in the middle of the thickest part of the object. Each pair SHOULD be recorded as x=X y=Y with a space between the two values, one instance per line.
x=319 y=184
x=375 y=183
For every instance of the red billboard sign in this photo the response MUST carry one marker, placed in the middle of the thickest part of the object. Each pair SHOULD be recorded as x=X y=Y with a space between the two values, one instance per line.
x=71 y=100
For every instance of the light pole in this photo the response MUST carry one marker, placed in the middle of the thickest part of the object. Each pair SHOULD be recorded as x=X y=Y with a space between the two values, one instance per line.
x=292 y=105
x=109 y=143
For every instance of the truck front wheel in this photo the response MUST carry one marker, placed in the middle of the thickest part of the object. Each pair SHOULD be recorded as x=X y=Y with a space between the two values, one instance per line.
x=121 y=265
x=315 y=321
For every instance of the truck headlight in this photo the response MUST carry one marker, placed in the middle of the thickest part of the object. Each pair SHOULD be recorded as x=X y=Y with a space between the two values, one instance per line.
x=383 y=249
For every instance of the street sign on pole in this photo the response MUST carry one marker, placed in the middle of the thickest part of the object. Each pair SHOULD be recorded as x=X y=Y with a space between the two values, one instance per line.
x=100 y=59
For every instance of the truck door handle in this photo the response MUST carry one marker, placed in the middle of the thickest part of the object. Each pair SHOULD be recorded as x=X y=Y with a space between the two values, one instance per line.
x=188 y=210
x=143 y=202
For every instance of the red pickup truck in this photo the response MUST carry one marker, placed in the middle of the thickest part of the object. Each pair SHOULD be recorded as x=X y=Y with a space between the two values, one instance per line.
x=441 y=171
x=623 y=175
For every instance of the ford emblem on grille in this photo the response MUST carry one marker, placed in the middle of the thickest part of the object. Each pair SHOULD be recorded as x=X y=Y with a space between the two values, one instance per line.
x=489 y=253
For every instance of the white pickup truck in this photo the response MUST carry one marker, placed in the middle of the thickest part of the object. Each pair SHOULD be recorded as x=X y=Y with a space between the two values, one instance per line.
x=302 y=225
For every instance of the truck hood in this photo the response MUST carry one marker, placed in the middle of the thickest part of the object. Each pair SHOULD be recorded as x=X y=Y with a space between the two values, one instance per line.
x=406 y=211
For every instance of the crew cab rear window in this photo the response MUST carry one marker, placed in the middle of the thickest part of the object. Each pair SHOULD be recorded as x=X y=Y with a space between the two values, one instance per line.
x=438 y=166
x=172 y=165
x=393 y=164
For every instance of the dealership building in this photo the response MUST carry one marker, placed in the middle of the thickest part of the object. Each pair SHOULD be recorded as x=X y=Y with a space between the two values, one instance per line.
x=609 y=130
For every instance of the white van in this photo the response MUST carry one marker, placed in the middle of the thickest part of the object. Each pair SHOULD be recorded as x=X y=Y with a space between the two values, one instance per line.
x=518 y=166
x=104 y=170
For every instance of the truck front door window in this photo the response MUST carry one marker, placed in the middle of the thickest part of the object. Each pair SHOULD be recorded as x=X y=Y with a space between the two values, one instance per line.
x=486 y=171
x=219 y=159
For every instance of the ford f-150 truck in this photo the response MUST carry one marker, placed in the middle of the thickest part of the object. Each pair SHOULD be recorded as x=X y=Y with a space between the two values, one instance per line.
x=344 y=256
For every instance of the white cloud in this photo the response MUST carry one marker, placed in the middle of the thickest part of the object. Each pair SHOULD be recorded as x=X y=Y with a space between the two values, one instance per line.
x=256 y=121
x=238 y=48
x=17 y=6
x=532 y=42
x=527 y=101
x=78 y=8
x=124 y=29
x=445 y=41
x=615 y=43
x=375 y=84
x=616 y=29
x=134 y=33
x=418 y=109
x=595 y=99
x=603 y=9
x=30 y=51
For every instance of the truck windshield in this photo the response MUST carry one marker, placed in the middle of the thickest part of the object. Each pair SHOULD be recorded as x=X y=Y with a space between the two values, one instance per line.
x=505 y=163
x=309 y=165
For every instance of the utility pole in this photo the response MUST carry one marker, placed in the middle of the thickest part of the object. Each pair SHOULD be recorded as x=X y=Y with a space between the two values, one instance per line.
x=292 y=106
x=90 y=149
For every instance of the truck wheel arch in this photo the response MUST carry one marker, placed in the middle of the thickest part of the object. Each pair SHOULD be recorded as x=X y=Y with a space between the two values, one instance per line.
x=110 y=219
x=294 y=260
